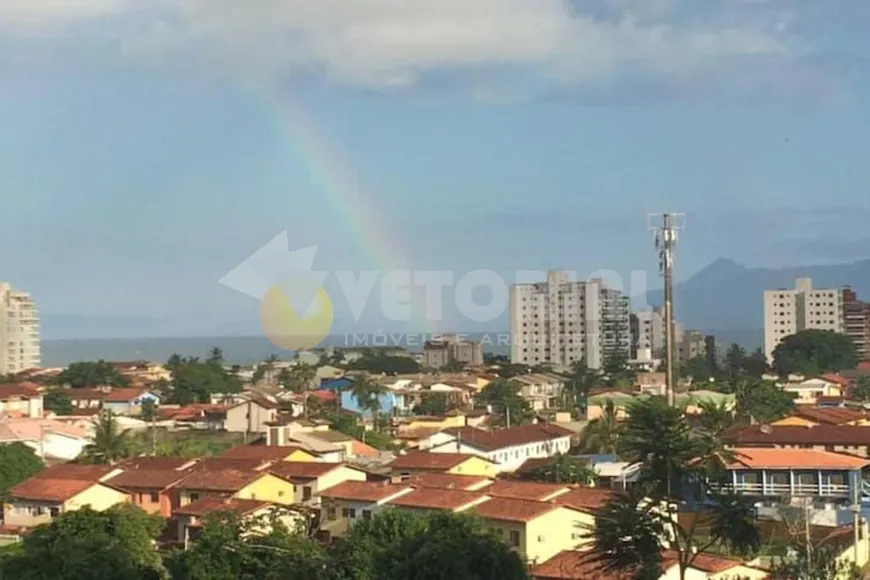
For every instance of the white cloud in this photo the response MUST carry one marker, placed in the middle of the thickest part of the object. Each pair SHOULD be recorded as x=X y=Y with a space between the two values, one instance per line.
x=384 y=43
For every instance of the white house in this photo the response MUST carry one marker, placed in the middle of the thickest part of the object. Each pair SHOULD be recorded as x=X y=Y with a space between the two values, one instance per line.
x=346 y=503
x=508 y=448
x=49 y=439
x=20 y=400
x=807 y=391
x=541 y=390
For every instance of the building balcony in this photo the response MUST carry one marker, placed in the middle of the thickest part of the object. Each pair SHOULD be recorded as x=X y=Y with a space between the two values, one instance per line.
x=831 y=490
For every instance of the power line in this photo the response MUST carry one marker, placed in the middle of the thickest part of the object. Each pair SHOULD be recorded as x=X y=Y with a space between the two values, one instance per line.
x=665 y=227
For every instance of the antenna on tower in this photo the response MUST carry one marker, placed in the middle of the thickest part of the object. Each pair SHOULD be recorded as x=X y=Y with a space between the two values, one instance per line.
x=665 y=227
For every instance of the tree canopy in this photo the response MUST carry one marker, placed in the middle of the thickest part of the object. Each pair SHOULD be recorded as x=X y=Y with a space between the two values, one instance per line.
x=504 y=398
x=17 y=463
x=57 y=401
x=379 y=362
x=91 y=374
x=763 y=400
x=814 y=351
x=195 y=381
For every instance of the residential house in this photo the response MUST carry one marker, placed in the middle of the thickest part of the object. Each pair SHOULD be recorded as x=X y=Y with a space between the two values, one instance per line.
x=852 y=439
x=448 y=348
x=199 y=416
x=416 y=462
x=812 y=416
x=651 y=383
x=426 y=500
x=151 y=482
x=119 y=400
x=345 y=503
x=541 y=390
x=350 y=446
x=219 y=481
x=59 y=489
x=268 y=453
x=538 y=530
x=808 y=390
x=251 y=416
x=774 y=476
x=311 y=479
x=49 y=439
x=306 y=437
x=448 y=481
x=189 y=518
x=21 y=400
x=598 y=400
x=526 y=490
x=507 y=448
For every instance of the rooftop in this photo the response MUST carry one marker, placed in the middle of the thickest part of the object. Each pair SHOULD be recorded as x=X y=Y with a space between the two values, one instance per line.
x=19 y=391
x=761 y=458
x=50 y=489
x=303 y=469
x=208 y=505
x=432 y=498
x=510 y=509
x=501 y=438
x=448 y=481
x=830 y=415
x=850 y=435
x=364 y=491
x=228 y=480
x=584 y=565
x=148 y=479
x=526 y=490
x=585 y=498
x=427 y=460
x=261 y=452
x=73 y=471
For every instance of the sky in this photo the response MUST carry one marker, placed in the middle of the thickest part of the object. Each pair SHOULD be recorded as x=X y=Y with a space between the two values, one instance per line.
x=148 y=147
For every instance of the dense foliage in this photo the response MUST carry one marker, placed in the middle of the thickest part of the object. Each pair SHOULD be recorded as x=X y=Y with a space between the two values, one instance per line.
x=503 y=397
x=17 y=463
x=91 y=374
x=814 y=351
x=379 y=362
x=195 y=381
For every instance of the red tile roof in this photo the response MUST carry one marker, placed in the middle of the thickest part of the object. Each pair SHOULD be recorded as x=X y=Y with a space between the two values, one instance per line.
x=764 y=435
x=18 y=391
x=263 y=452
x=510 y=509
x=303 y=469
x=111 y=394
x=212 y=463
x=73 y=471
x=364 y=491
x=52 y=490
x=836 y=379
x=162 y=463
x=584 y=565
x=501 y=438
x=438 y=499
x=526 y=490
x=158 y=479
x=761 y=458
x=228 y=480
x=433 y=461
x=586 y=498
x=830 y=415
x=208 y=505
x=261 y=401
x=448 y=481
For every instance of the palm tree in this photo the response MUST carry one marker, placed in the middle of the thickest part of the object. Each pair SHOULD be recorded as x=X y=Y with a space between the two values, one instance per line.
x=367 y=393
x=301 y=379
x=264 y=368
x=110 y=443
x=602 y=435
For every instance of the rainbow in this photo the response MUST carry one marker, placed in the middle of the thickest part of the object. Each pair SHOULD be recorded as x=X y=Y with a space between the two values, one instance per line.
x=335 y=180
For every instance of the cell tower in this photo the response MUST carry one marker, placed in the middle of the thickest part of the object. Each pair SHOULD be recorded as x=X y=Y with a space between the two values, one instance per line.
x=665 y=227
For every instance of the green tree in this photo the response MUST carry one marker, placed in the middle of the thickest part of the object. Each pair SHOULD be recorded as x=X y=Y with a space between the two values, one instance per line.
x=755 y=365
x=57 y=401
x=860 y=391
x=18 y=462
x=453 y=366
x=601 y=435
x=195 y=381
x=230 y=548
x=504 y=397
x=380 y=363
x=115 y=544
x=716 y=418
x=819 y=562
x=765 y=401
x=215 y=356
x=302 y=381
x=813 y=351
x=373 y=546
x=368 y=394
x=434 y=405
x=91 y=374
x=578 y=383
x=563 y=469
x=735 y=360
x=696 y=368
x=110 y=443
x=631 y=529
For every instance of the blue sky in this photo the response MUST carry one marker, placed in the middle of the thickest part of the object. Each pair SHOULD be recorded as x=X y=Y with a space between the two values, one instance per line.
x=139 y=161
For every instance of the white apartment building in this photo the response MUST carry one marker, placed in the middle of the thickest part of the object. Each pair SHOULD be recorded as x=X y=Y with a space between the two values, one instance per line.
x=787 y=312
x=19 y=331
x=560 y=321
x=648 y=330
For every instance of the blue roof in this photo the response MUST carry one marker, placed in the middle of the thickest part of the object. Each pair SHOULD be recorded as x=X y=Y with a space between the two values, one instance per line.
x=333 y=384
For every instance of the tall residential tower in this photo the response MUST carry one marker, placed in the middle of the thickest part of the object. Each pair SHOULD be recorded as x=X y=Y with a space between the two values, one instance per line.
x=788 y=312
x=559 y=322
x=19 y=331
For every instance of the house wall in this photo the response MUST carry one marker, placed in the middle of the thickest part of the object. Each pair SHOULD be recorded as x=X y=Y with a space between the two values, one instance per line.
x=29 y=407
x=268 y=488
x=302 y=455
x=338 y=516
x=510 y=458
x=29 y=513
x=738 y=573
x=97 y=497
x=145 y=499
x=58 y=446
x=237 y=418
x=561 y=529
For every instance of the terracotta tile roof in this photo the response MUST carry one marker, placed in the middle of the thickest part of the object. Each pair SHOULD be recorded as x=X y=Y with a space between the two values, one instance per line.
x=532 y=464
x=360 y=449
x=218 y=463
x=208 y=505
x=303 y=469
x=501 y=438
x=18 y=391
x=54 y=490
x=366 y=491
x=191 y=412
x=711 y=563
x=228 y=480
x=836 y=379
x=72 y=471
x=586 y=498
x=849 y=435
x=323 y=396
x=262 y=452
x=32 y=429
x=148 y=479
x=161 y=463
x=110 y=394
x=332 y=436
x=448 y=481
x=438 y=499
x=830 y=415
x=761 y=458
x=261 y=401
x=830 y=399
x=526 y=490
x=583 y=565
x=426 y=460
x=510 y=509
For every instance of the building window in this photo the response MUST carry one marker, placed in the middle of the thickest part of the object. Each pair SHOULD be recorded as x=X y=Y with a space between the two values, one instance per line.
x=352 y=513
x=194 y=497
x=306 y=493
x=155 y=497
x=366 y=514
x=515 y=539
x=330 y=513
x=345 y=513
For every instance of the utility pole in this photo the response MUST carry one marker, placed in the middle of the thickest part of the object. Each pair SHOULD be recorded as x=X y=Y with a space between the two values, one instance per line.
x=857 y=484
x=665 y=227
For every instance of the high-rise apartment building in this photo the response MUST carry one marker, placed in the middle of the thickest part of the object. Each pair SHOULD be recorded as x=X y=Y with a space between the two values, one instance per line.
x=648 y=331
x=440 y=351
x=787 y=312
x=856 y=318
x=559 y=322
x=19 y=331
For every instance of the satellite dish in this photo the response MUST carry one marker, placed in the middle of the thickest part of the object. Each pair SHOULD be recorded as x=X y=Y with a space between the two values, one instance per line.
x=766 y=429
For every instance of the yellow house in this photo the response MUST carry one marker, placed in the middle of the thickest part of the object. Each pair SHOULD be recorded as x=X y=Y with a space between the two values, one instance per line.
x=537 y=530
x=268 y=453
x=431 y=499
x=309 y=479
x=436 y=423
x=417 y=462
x=351 y=501
x=189 y=518
x=39 y=500
x=238 y=483
x=811 y=416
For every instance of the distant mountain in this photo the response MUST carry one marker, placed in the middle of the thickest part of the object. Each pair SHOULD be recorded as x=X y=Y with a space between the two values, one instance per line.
x=728 y=298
